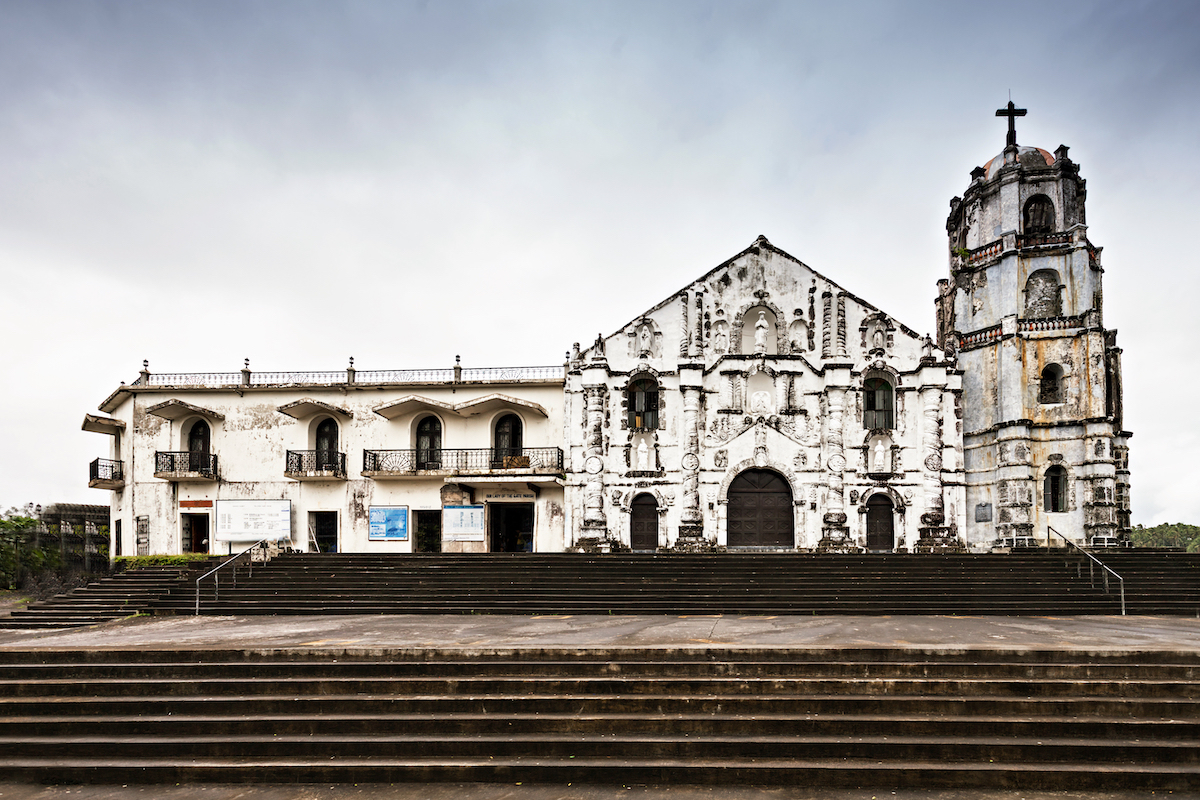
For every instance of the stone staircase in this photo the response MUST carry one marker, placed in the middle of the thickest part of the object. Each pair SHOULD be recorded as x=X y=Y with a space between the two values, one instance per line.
x=1045 y=720
x=1157 y=582
x=1031 y=583
x=115 y=597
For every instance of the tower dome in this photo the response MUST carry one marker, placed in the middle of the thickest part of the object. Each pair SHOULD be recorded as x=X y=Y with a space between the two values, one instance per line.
x=1028 y=157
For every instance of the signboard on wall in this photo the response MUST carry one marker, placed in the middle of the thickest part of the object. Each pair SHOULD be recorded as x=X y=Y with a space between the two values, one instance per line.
x=463 y=524
x=388 y=524
x=252 y=520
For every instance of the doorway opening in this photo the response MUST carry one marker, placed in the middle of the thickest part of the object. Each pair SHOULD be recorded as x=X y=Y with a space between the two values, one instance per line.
x=881 y=532
x=323 y=525
x=760 y=510
x=643 y=523
x=511 y=527
x=429 y=531
x=195 y=533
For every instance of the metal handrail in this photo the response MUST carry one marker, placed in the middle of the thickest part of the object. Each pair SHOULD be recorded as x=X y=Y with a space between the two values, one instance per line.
x=217 y=578
x=1091 y=566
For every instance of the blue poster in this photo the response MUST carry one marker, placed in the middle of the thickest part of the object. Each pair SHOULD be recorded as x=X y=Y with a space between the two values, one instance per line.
x=388 y=524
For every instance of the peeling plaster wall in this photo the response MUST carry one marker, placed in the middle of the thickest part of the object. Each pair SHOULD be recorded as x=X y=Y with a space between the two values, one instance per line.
x=252 y=439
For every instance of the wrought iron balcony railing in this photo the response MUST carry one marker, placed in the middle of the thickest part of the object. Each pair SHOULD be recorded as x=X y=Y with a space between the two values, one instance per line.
x=477 y=460
x=105 y=471
x=168 y=464
x=307 y=462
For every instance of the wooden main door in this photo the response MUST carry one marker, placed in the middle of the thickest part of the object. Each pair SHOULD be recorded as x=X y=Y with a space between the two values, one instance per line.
x=881 y=534
x=643 y=523
x=760 y=510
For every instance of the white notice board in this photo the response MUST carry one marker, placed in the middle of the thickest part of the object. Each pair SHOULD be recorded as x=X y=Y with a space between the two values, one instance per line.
x=463 y=524
x=252 y=520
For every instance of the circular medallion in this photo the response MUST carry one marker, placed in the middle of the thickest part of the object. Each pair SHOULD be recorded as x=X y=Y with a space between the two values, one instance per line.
x=933 y=463
x=836 y=463
x=691 y=462
x=594 y=465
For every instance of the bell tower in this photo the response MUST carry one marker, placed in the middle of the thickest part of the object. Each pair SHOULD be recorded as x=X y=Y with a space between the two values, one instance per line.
x=1044 y=445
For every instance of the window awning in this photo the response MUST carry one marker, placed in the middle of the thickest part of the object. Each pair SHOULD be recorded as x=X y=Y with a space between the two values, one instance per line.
x=494 y=402
x=177 y=409
x=413 y=402
x=95 y=424
x=307 y=407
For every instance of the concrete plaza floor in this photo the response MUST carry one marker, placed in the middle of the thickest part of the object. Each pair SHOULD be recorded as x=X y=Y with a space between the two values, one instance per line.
x=1094 y=634
x=375 y=632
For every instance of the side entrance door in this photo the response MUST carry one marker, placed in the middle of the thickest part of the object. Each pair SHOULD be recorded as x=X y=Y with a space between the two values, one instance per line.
x=881 y=535
x=643 y=523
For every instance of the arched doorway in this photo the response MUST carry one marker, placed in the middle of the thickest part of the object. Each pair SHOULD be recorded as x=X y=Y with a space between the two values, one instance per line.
x=760 y=510
x=643 y=523
x=327 y=445
x=881 y=532
x=429 y=443
x=508 y=443
x=199 y=443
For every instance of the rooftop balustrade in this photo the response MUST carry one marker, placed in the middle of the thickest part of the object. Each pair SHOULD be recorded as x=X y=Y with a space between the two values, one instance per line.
x=352 y=377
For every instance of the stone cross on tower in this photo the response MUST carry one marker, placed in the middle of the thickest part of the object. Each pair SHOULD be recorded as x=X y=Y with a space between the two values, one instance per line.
x=1012 y=112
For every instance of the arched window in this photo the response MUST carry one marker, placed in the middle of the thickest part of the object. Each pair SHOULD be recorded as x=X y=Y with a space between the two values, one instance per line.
x=1051 y=388
x=429 y=443
x=1054 y=497
x=1039 y=215
x=1043 y=299
x=642 y=399
x=877 y=404
x=507 y=440
x=199 y=442
x=327 y=444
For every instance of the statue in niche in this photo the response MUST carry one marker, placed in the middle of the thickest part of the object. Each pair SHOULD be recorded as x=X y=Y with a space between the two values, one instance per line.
x=644 y=339
x=720 y=341
x=760 y=333
x=879 y=463
x=760 y=403
x=643 y=456
x=877 y=338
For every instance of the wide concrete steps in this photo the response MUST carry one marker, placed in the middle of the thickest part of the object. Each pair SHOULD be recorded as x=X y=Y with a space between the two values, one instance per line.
x=881 y=717
x=758 y=583
x=115 y=597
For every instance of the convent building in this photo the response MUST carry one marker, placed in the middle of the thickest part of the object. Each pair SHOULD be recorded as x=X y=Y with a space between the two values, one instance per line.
x=763 y=406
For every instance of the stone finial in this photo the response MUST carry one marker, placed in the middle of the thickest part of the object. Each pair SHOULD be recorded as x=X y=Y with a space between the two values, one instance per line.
x=246 y=363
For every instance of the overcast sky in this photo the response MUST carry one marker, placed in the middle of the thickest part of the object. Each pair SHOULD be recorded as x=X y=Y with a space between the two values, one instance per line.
x=195 y=183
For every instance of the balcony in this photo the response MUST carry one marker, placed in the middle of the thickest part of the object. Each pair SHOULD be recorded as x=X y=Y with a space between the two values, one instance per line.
x=104 y=473
x=478 y=461
x=315 y=465
x=185 y=467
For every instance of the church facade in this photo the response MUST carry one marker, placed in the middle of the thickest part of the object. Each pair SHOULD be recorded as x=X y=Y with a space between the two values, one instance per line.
x=763 y=406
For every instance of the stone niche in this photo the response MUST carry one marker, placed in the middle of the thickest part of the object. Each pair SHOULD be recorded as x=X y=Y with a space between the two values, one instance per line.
x=751 y=327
